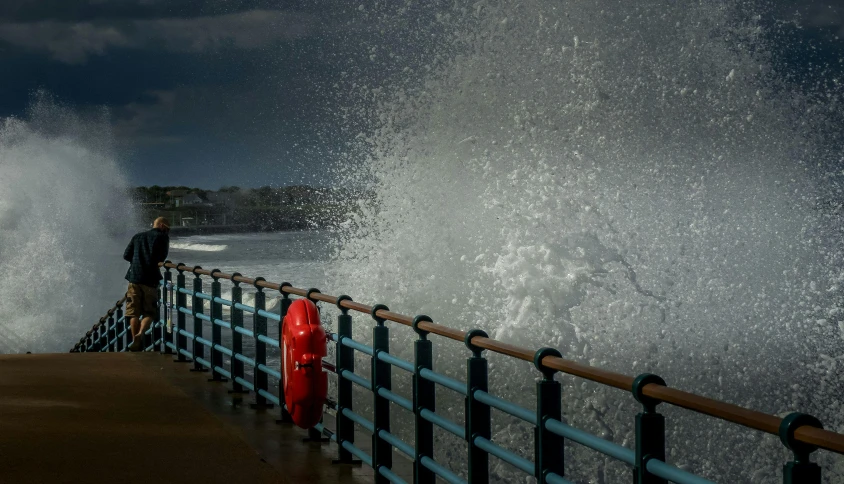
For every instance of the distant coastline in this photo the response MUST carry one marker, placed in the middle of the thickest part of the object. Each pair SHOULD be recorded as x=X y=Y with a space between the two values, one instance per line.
x=237 y=229
x=194 y=211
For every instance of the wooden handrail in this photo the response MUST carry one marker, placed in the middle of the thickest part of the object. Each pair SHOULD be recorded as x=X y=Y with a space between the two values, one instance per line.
x=770 y=424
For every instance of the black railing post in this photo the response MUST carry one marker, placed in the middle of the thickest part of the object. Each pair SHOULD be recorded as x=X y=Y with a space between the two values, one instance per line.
x=167 y=307
x=121 y=328
x=181 y=303
x=650 y=431
x=237 y=338
x=101 y=334
x=111 y=333
x=314 y=435
x=284 y=415
x=197 y=307
x=424 y=398
x=216 y=330
x=259 y=327
x=344 y=360
x=801 y=470
x=159 y=331
x=157 y=334
x=382 y=451
x=548 y=446
x=477 y=413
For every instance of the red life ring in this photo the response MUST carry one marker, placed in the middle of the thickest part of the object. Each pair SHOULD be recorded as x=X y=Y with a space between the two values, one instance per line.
x=305 y=384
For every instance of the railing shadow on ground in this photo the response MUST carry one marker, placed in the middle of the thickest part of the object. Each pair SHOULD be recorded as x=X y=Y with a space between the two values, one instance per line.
x=801 y=434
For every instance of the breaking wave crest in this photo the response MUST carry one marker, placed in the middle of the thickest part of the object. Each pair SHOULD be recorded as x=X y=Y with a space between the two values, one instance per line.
x=631 y=183
x=62 y=208
x=198 y=247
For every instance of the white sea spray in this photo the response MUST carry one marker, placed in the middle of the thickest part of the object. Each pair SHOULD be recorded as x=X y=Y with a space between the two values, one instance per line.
x=629 y=182
x=64 y=211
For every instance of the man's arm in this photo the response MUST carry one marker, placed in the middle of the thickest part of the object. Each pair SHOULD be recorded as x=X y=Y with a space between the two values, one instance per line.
x=130 y=251
x=160 y=248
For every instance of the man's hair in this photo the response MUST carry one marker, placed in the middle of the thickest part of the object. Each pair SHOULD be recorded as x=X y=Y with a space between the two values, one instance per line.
x=162 y=224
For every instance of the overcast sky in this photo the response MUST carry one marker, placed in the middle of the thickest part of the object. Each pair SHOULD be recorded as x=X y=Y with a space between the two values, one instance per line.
x=194 y=84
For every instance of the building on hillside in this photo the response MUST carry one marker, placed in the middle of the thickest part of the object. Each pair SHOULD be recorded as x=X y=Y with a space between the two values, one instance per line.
x=223 y=199
x=194 y=200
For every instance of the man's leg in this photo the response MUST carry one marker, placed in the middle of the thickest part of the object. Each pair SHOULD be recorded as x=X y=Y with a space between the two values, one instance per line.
x=133 y=312
x=134 y=325
x=137 y=343
x=145 y=324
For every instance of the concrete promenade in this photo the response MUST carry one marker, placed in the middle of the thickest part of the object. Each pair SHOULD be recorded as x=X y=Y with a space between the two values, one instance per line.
x=140 y=417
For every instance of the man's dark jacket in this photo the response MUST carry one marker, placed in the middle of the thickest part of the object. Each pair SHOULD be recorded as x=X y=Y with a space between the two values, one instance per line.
x=144 y=253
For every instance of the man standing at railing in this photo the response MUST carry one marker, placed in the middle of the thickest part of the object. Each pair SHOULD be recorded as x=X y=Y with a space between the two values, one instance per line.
x=144 y=252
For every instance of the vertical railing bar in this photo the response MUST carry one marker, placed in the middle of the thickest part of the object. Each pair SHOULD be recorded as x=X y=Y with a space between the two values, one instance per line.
x=181 y=323
x=121 y=327
x=284 y=415
x=111 y=333
x=549 y=448
x=198 y=305
x=382 y=451
x=167 y=305
x=650 y=431
x=216 y=330
x=424 y=398
x=314 y=435
x=237 y=338
x=259 y=327
x=101 y=344
x=155 y=325
x=801 y=470
x=478 y=416
x=344 y=360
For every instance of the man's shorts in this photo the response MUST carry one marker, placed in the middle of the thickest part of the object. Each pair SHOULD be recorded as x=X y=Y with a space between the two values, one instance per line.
x=141 y=300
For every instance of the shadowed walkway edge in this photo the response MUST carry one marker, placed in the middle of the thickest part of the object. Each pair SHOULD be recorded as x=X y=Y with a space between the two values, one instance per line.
x=130 y=417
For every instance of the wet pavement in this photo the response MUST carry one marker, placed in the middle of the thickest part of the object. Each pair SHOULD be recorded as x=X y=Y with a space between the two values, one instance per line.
x=137 y=417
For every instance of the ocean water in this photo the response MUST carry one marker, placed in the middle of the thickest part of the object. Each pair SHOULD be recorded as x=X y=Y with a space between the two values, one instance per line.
x=637 y=184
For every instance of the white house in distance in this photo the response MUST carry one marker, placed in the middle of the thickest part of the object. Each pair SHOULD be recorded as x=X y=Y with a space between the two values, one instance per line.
x=182 y=198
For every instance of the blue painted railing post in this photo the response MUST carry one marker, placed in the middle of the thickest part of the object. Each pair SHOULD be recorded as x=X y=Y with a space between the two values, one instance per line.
x=259 y=327
x=166 y=304
x=650 y=431
x=382 y=451
x=181 y=303
x=478 y=422
x=344 y=360
x=237 y=338
x=549 y=447
x=424 y=398
x=111 y=333
x=197 y=307
x=216 y=330
x=121 y=328
x=801 y=470
x=284 y=415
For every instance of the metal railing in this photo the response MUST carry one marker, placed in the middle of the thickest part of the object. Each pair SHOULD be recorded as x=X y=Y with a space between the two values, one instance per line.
x=801 y=434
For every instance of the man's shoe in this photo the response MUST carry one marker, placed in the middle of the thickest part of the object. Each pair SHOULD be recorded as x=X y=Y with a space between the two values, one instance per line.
x=136 y=345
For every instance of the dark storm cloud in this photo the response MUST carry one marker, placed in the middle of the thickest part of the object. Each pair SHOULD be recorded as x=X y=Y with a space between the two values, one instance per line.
x=821 y=15
x=826 y=16
x=193 y=84
x=88 y=10
x=74 y=42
